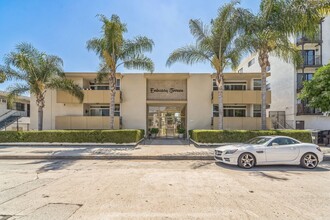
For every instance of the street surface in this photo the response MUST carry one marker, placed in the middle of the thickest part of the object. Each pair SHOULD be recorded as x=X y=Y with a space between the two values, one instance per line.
x=108 y=189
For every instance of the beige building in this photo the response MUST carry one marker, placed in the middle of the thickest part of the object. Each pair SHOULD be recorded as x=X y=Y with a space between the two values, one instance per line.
x=160 y=100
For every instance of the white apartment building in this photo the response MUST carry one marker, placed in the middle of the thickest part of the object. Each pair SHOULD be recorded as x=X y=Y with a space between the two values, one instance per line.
x=286 y=81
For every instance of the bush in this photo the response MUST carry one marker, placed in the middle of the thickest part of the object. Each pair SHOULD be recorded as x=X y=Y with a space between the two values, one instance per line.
x=73 y=136
x=232 y=136
x=154 y=130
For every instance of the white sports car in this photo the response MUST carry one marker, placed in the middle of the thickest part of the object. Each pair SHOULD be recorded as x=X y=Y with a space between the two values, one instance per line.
x=267 y=150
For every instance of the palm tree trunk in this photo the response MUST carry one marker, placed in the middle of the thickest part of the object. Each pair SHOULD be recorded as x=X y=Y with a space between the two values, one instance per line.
x=40 y=118
x=263 y=62
x=220 y=100
x=41 y=104
x=112 y=84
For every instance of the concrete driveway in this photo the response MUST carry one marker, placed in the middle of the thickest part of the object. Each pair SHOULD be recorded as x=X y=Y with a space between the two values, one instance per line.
x=100 y=189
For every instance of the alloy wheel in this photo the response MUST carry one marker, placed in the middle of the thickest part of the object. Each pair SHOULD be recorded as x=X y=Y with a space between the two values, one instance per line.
x=247 y=161
x=310 y=161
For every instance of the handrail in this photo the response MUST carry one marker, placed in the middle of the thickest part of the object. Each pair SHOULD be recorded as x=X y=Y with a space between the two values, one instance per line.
x=6 y=113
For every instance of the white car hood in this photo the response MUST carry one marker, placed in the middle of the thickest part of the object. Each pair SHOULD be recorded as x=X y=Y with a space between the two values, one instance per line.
x=234 y=146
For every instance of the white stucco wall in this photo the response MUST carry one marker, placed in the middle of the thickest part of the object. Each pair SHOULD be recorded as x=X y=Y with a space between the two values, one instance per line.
x=199 y=105
x=133 y=106
x=326 y=41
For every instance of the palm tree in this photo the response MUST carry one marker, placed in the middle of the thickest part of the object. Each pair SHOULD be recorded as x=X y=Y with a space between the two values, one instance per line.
x=215 y=45
x=36 y=72
x=115 y=51
x=270 y=30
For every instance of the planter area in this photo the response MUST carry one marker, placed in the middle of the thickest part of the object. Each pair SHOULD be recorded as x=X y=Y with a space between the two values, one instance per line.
x=73 y=136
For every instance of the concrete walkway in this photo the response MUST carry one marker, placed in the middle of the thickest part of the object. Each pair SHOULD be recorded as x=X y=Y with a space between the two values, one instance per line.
x=154 y=149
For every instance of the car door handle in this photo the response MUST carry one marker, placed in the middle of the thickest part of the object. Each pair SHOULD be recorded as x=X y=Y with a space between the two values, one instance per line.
x=260 y=151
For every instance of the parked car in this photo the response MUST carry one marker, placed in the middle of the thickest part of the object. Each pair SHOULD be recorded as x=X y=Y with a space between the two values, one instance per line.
x=267 y=150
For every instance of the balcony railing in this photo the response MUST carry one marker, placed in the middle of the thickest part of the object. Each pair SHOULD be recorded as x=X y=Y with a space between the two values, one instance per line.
x=241 y=123
x=312 y=61
x=303 y=109
x=86 y=122
x=241 y=97
x=301 y=39
x=90 y=97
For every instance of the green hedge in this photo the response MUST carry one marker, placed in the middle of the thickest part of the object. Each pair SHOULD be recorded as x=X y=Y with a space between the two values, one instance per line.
x=232 y=136
x=73 y=136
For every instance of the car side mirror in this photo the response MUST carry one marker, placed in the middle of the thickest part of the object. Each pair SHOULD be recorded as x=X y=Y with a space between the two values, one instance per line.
x=275 y=144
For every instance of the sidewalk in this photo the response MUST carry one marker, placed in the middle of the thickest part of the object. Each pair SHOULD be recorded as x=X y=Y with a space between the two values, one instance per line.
x=149 y=150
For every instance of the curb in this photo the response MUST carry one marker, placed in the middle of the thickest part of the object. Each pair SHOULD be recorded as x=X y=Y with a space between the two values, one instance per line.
x=103 y=157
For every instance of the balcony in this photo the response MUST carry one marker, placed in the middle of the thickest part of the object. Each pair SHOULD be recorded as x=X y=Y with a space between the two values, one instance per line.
x=90 y=97
x=241 y=97
x=301 y=39
x=85 y=122
x=303 y=109
x=241 y=123
x=311 y=61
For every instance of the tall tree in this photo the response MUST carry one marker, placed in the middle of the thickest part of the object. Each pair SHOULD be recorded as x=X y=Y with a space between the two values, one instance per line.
x=215 y=45
x=114 y=50
x=270 y=31
x=317 y=91
x=36 y=72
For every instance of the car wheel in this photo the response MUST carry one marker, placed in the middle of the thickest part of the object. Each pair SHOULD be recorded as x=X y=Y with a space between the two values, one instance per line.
x=309 y=161
x=246 y=160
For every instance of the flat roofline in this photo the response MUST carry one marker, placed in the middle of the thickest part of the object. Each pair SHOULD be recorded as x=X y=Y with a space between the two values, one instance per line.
x=163 y=73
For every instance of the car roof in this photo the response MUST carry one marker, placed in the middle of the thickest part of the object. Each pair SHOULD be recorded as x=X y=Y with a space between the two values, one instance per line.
x=276 y=136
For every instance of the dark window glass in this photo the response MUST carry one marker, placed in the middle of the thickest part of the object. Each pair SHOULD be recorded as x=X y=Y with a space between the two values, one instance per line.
x=257 y=84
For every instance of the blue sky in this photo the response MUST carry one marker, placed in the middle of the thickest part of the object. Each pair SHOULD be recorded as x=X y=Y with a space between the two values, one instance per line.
x=62 y=27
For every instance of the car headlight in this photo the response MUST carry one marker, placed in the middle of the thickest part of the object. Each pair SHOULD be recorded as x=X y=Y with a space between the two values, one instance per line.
x=231 y=151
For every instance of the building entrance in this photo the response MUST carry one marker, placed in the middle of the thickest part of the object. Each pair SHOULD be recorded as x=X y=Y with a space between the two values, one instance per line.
x=168 y=119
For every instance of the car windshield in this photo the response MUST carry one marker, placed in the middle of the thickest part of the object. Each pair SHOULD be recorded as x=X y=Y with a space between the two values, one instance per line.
x=258 y=140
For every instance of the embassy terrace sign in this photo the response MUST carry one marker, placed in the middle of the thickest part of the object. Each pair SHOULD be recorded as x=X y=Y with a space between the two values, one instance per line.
x=170 y=90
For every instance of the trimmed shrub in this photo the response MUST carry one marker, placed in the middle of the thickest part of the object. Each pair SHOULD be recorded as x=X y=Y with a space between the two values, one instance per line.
x=73 y=136
x=234 y=136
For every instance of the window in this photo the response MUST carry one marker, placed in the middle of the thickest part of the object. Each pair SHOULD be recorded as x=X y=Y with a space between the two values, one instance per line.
x=235 y=86
x=309 y=57
x=257 y=84
x=117 y=84
x=283 y=141
x=240 y=70
x=19 y=106
x=117 y=109
x=258 y=140
x=256 y=110
x=214 y=83
x=251 y=62
x=234 y=111
x=99 y=86
x=301 y=77
x=99 y=110
x=215 y=111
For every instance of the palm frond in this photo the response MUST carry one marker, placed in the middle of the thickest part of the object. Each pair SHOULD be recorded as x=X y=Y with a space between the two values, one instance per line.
x=14 y=91
x=66 y=85
x=199 y=30
x=189 y=54
x=140 y=62
x=136 y=46
x=96 y=44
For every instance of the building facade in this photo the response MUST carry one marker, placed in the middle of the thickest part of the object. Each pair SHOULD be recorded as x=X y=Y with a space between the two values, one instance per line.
x=158 y=100
x=286 y=81
x=17 y=117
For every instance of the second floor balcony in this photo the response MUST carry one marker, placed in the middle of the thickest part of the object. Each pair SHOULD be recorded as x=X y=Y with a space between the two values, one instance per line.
x=90 y=97
x=241 y=97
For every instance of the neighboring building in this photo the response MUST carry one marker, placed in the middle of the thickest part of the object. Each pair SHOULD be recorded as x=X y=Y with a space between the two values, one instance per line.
x=165 y=101
x=16 y=118
x=286 y=110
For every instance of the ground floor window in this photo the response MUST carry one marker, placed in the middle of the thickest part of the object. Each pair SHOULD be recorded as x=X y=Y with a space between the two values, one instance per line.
x=256 y=110
x=230 y=111
x=103 y=110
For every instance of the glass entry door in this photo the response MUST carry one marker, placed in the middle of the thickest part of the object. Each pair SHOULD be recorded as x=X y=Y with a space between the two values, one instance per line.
x=167 y=118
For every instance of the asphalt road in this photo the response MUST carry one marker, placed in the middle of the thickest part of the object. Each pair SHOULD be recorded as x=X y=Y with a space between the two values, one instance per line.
x=160 y=190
